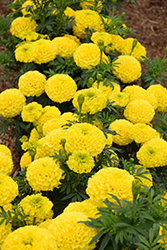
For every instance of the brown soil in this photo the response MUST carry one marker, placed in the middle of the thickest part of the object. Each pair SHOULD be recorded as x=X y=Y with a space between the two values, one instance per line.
x=148 y=18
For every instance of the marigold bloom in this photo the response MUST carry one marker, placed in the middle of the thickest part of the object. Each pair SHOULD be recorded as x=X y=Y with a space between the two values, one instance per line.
x=32 y=83
x=65 y=46
x=94 y=100
x=153 y=153
x=81 y=162
x=138 y=52
x=44 y=174
x=21 y=24
x=69 y=234
x=111 y=41
x=37 y=207
x=122 y=127
x=6 y=164
x=25 y=52
x=49 y=112
x=12 y=102
x=5 y=230
x=25 y=160
x=86 y=19
x=60 y=88
x=85 y=136
x=164 y=238
x=119 y=98
x=52 y=141
x=110 y=181
x=8 y=189
x=46 y=51
x=30 y=237
x=58 y=122
x=31 y=112
x=5 y=149
x=87 y=55
x=128 y=68
x=160 y=94
x=86 y=207
x=136 y=92
x=141 y=133
x=139 y=111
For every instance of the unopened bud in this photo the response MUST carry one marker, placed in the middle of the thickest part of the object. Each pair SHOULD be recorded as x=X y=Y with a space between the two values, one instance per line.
x=90 y=80
x=63 y=141
x=136 y=187
x=35 y=123
x=114 y=1
x=81 y=99
x=99 y=77
x=100 y=43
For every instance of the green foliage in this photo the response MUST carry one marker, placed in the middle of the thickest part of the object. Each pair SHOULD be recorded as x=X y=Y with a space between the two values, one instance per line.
x=15 y=216
x=123 y=225
x=156 y=69
x=23 y=185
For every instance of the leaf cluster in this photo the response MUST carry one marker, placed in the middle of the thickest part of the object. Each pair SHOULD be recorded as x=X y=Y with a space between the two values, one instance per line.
x=129 y=224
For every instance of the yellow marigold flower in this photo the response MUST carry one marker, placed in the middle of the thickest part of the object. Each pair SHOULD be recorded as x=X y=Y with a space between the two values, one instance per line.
x=44 y=174
x=86 y=19
x=25 y=160
x=146 y=179
x=139 y=111
x=92 y=4
x=32 y=83
x=31 y=36
x=119 y=98
x=37 y=207
x=69 y=12
x=153 y=153
x=40 y=151
x=5 y=230
x=5 y=149
x=160 y=94
x=45 y=224
x=81 y=162
x=52 y=142
x=85 y=136
x=49 y=112
x=123 y=129
x=60 y=88
x=25 y=52
x=136 y=92
x=34 y=135
x=21 y=24
x=127 y=68
x=6 y=164
x=86 y=207
x=65 y=46
x=87 y=55
x=30 y=237
x=58 y=122
x=31 y=112
x=110 y=181
x=8 y=189
x=27 y=4
x=94 y=100
x=12 y=102
x=111 y=41
x=46 y=51
x=69 y=234
x=138 y=52
x=141 y=133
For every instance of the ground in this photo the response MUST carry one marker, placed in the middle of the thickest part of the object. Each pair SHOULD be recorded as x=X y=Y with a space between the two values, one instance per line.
x=148 y=18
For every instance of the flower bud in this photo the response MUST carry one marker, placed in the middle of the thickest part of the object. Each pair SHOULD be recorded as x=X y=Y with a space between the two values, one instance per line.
x=90 y=80
x=81 y=99
x=63 y=141
x=35 y=123
x=136 y=187
x=99 y=77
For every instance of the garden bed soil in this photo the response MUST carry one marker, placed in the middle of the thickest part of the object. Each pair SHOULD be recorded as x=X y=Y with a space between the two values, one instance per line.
x=148 y=18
